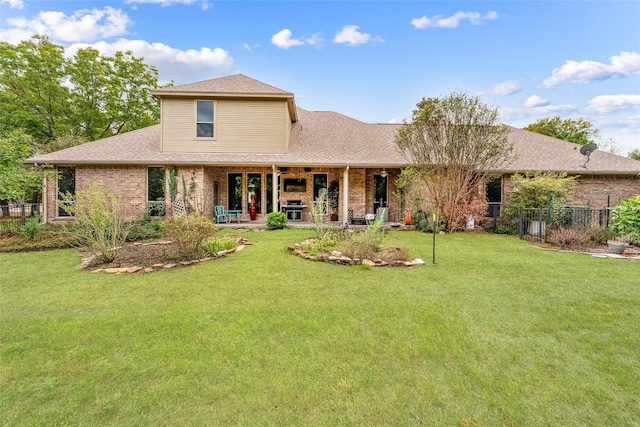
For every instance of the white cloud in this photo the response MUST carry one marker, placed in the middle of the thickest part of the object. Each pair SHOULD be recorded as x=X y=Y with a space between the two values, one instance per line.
x=511 y=114
x=475 y=18
x=173 y=64
x=625 y=64
x=14 y=4
x=396 y=121
x=507 y=87
x=249 y=48
x=350 y=35
x=283 y=39
x=605 y=104
x=536 y=101
x=203 y=3
x=83 y=25
x=315 y=40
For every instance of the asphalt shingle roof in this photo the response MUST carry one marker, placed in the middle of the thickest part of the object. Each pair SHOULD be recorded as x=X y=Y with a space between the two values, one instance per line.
x=237 y=84
x=321 y=138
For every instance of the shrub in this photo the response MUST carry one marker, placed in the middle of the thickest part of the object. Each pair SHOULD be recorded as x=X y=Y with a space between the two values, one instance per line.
x=569 y=237
x=537 y=189
x=31 y=228
x=189 y=232
x=276 y=221
x=100 y=220
x=599 y=235
x=364 y=244
x=318 y=221
x=625 y=219
x=145 y=229
x=214 y=245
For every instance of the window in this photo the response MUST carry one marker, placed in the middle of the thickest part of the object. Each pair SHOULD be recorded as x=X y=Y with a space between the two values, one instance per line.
x=155 y=190
x=66 y=184
x=234 y=194
x=204 y=120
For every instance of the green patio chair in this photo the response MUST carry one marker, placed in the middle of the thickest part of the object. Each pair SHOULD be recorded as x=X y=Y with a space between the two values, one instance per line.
x=221 y=214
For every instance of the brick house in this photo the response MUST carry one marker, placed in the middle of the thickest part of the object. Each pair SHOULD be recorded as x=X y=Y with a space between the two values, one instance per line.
x=221 y=141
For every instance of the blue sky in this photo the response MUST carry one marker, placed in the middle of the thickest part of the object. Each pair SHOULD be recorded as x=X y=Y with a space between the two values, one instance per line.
x=374 y=60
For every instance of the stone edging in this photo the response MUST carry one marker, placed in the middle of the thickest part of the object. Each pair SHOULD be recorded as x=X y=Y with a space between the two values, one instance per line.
x=336 y=257
x=242 y=243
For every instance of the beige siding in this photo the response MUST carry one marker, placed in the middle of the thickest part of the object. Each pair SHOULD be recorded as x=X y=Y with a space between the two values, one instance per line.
x=240 y=127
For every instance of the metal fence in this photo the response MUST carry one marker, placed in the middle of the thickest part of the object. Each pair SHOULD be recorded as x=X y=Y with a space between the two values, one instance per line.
x=13 y=216
x=534 y=223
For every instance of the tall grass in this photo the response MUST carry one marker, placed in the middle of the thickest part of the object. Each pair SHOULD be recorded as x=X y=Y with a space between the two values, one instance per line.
x=496 y=333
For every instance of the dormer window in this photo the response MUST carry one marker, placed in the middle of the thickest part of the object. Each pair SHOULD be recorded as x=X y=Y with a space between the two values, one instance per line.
x=204 y=120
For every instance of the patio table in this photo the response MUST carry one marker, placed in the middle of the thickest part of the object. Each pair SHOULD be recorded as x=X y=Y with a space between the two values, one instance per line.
x=234 y=213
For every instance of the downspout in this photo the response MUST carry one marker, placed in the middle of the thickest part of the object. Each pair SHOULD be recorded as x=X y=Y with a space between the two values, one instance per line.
x=274 y=188
x=45 y=197
x=345 y=197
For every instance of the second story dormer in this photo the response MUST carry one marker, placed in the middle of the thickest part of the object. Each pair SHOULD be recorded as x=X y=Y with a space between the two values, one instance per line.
x=235 y=114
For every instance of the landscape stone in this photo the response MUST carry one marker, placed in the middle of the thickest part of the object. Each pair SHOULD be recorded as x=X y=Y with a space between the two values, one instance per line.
x=133 y=269
x=169 y=265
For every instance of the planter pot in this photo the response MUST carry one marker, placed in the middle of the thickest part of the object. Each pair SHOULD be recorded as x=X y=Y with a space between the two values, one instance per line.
x=252 y=213
x=616 y=247
x=536 y=226
x=407 y=218
x=334 y=217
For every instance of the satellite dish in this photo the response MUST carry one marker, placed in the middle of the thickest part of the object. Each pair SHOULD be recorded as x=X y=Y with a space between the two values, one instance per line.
x=586 y=150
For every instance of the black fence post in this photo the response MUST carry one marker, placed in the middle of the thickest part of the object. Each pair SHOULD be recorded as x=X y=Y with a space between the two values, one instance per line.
x=521 y=222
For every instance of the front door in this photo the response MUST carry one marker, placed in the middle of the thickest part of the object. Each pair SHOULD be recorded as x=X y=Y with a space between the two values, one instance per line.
x=379 y=192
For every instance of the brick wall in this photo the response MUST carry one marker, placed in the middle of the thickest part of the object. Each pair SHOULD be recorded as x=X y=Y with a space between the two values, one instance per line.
x=594 y=190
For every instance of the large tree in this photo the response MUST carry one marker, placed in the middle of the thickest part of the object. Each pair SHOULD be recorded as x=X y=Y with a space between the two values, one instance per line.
x=634 y=154
x=578 y=131
x=90 y=95
x=455 y=142
x=18 y=181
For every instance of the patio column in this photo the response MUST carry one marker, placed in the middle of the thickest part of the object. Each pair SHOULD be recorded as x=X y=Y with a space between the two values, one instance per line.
x=345 y=196
x=274 y=188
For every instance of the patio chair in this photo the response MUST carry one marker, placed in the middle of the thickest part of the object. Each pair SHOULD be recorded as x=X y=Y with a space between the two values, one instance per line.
x=221 y=214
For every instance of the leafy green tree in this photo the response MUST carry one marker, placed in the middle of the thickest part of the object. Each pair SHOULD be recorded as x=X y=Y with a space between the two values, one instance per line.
x=90 y=96
x=634 y=154
x=578 y=131
x=33 y=95
x=18 y=181
x=453 y=142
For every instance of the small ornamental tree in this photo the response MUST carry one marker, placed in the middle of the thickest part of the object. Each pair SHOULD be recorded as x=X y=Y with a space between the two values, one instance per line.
x=101 y=225
x=453 y=143
x=535 y=190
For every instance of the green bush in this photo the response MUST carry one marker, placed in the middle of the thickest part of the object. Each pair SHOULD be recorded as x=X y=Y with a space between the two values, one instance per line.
x=276 y=221
x=536 y=190
x=100 y=220
x=217 y=244
x=625 y=218
x=599 y=235
x=189 y=232
x=145 y=229
x=31 y=228
x=364 y=244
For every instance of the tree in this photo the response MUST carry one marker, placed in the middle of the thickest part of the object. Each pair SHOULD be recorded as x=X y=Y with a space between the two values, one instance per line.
x=578 y=131
x=18 y=181
x=634 y=154
x=454 y=142
x=90 y=96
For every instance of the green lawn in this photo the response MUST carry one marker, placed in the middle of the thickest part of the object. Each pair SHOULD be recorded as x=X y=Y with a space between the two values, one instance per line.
x=497 y=333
